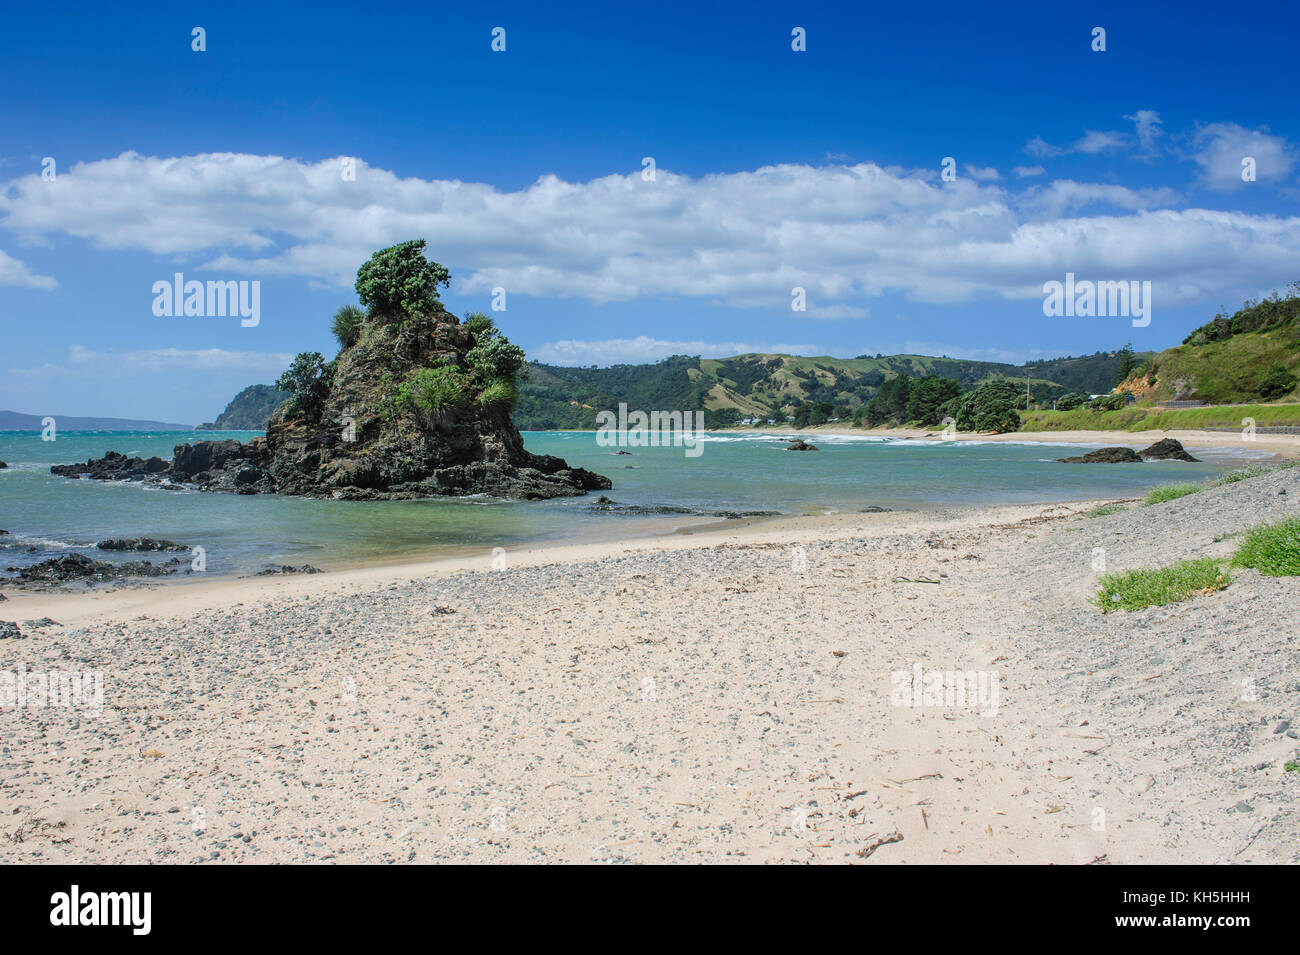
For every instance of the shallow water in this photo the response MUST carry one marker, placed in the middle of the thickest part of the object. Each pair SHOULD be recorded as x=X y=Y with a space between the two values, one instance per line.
x=48 y=516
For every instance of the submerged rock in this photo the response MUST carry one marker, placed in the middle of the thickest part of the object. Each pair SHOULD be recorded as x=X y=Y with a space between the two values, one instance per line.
x=1166 y=449
x=140 y=544
x=1104 y=456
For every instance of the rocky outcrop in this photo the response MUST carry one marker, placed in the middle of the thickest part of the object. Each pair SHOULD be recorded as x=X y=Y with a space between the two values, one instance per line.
x=114 y=467
x=1166 y=449
x=1105 y=456
x=416 y=404
x=802 y=445
x=79 y=567
x=140 y=544
x=3 y=465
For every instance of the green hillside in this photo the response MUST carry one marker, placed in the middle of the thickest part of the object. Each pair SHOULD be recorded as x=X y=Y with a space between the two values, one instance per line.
x=248 y=411
x=1251 y=356
x=774 y=386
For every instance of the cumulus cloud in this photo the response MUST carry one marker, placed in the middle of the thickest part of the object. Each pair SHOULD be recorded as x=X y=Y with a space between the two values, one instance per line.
x=843 y=233
x=1025 y=171
x=986 y=174
x=1065 y=195
x=13 y=272
x=1219 y=148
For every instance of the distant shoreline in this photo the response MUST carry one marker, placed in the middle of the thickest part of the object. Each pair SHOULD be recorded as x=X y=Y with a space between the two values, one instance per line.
x=1282 y=445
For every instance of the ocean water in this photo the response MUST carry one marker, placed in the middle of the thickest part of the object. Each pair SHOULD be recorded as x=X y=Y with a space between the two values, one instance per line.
x=48 y=516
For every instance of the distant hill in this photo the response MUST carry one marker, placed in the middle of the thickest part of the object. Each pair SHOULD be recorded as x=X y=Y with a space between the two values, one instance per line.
x=1254 y=355
x=15 y=421
x=249 y=410
x=771 y=386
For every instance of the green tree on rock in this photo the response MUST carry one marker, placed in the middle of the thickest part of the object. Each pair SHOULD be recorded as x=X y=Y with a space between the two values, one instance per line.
x=399 y=281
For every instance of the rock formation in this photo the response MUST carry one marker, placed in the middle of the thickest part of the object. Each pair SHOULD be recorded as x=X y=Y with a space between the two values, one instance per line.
x=416 y=404
x=1166 y=449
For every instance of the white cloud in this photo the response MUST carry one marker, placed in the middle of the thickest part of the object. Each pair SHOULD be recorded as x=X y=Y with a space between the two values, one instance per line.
x=1065 y=195
x=987 y=174
x=843 y=233
x=1024 y=171
x=13 y=272
x=1219 y=149
x=1093 y=141
x=643 y=349
x=83 y=361
x=1147 y=123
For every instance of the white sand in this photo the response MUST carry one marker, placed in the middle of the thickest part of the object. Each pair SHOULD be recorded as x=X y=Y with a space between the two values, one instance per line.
x=697 y=698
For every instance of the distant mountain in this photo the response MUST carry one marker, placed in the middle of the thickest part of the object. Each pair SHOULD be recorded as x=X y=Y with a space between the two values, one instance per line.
x=249 y=410
x=14 y=421
x=772 y=386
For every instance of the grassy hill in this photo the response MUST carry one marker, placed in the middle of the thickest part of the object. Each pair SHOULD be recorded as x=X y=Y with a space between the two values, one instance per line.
x=1251 y=356
x=771 y=386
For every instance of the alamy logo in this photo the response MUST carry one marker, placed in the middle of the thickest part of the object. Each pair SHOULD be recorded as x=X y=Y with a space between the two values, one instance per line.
x=653 y=430
x=917 y=687
x=1101 y=299
x=180 y=298
x=36 y=690
x=103 y=908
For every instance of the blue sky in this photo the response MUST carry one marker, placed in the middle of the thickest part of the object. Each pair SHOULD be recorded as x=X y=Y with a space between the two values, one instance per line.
x=523 y=170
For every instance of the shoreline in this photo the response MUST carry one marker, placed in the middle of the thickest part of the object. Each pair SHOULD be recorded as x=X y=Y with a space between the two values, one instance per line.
x=1280 y=445
x=722 y=696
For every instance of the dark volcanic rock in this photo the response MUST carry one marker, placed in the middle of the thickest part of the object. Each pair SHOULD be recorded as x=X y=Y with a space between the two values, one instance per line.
x=3 y=465
x=288 y=569
x=1104 y=456
x=79 y=567
x=9 y=630
x=1166 y=449
x=802 y=445
x=356 y=442
x=114 y=466
x=139 y=544
x=387 y=453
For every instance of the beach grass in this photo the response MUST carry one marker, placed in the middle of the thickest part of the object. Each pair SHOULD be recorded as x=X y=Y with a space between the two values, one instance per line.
x=1150 y=418
x=1136 y=589
x=1170 y=492
x=1273 y=549
x=1103 y=510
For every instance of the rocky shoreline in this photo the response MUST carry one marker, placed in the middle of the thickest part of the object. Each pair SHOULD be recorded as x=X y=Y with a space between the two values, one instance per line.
x=233 y=467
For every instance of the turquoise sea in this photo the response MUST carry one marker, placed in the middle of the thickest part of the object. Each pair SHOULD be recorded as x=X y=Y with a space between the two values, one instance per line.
x=48 y=516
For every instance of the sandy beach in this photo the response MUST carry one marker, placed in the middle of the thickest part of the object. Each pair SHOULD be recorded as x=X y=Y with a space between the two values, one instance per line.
x=1282 y=445
x=725 y=695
